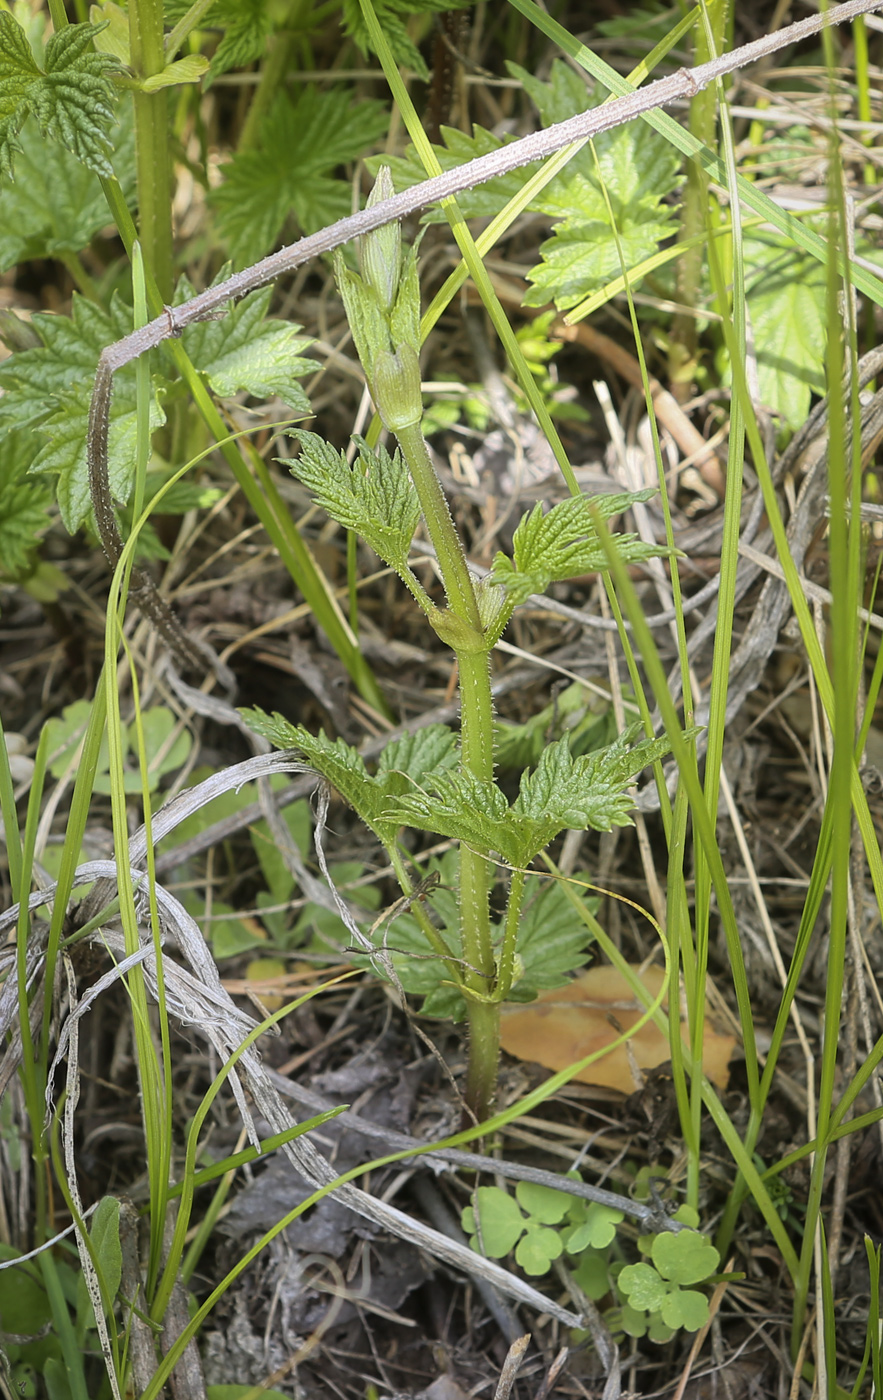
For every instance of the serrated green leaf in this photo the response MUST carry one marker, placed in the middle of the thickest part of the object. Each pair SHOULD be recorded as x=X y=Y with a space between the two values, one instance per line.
x=65 y=360
x=643 y=1287
x=787 y=300
x=336 y=760
x=459 y=806
x=413 y=756
x=550 y=546
x=51 y=386
x=71 y=97
x=635 y=167
x=302 y=141
x=563 y=792
x=244 y=352
x=373 y=495
x=552 y=939
x=247 y=25
x=499 y=1225
x=24 y=503
x=582 y=256
x=65 y=454
x=590 y=791
x=56 y=205
x=639 y=170
x=685 y=1257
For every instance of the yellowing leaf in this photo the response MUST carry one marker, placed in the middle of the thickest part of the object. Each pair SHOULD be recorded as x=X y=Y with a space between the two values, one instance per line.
x=264 y=973
x=569 y=1023
x=184 y=70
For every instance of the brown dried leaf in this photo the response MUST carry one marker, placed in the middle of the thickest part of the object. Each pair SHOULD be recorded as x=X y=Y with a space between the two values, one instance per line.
x=569 y=1023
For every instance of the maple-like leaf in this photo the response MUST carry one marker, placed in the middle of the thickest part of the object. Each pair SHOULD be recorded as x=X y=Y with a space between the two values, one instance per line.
x=24 y=502
x=302 y=141
x=246 y=352
x=50 y=387
x=71 y=96
x=636 y=168
x=56 y=205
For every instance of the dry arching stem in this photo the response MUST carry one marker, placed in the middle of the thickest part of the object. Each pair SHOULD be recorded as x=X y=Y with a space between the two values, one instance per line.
x=683 y=84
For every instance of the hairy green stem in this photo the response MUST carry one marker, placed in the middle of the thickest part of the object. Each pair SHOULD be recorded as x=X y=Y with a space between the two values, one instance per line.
x=449 y=551
x=510 y=934
x=477 y=756
x=153 y=160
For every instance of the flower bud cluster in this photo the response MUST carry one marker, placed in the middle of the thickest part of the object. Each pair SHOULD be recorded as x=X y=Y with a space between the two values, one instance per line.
x=382 y=304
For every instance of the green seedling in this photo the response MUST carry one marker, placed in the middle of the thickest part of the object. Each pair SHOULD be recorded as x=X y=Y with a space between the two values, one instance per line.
x=496 y=1224
x=657 y=1295
x=428 y=782
x=654 y=1297
x=165 y=751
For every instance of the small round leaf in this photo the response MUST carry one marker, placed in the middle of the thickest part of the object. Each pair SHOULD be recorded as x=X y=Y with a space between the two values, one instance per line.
x=537 y=1250
x=502 y=1223
x=685 y=1308
x=642 y=1286
x=542 y=1202
x=685 y=1257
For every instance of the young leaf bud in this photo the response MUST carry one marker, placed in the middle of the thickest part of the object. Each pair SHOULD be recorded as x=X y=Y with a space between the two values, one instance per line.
x=368 y=320
x=380 y=252
x=395 y=387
